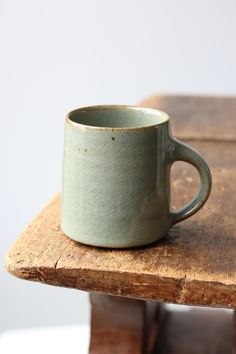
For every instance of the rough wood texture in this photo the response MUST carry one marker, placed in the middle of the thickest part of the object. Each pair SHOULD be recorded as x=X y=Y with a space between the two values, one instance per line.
x=199 y=117
x=196 y=332
x=194 y=264
x=119 y=325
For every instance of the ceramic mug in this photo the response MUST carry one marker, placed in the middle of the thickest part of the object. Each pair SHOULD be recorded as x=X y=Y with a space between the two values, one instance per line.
x=116 y=180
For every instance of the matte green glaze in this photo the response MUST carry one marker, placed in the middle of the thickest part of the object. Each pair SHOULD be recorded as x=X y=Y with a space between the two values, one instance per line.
x=116 y=185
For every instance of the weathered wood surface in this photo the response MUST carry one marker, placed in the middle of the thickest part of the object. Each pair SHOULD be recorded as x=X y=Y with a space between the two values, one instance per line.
x=194 y=264
x=121 y=325
x=199 y=117
x=196 y=332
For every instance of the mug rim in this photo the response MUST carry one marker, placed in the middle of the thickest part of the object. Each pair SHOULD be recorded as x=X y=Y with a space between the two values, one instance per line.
x=164 y=117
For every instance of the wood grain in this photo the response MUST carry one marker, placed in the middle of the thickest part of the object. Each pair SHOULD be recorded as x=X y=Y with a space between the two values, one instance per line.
x=208 y=118
x=194 y=264
x=119 y=325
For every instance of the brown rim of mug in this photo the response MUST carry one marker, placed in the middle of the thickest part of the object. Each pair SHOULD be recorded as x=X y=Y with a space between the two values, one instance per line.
x=164 y=117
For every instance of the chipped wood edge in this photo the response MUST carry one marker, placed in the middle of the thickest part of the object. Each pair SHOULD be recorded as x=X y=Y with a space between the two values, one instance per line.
x=184 y=291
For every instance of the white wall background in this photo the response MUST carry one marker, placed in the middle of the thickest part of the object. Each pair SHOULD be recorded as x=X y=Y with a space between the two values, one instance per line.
x=57 y=55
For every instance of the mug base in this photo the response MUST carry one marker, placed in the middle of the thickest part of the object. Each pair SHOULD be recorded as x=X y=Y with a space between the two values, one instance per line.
x=115 y=245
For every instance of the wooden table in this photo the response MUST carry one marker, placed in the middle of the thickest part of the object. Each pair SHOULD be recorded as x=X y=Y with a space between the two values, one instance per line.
x=194 y=264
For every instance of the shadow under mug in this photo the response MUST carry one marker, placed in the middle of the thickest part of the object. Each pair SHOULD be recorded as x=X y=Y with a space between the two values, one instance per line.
x=116 y=176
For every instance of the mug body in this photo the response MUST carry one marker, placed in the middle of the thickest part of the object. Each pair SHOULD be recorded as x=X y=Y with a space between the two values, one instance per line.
x=116 y=176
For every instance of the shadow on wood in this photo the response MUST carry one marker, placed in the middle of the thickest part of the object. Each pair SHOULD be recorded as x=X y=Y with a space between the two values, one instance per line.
x=198 y=331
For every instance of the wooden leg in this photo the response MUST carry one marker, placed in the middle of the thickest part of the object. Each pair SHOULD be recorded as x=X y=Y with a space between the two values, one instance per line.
x=122 y=326
x=234 y=333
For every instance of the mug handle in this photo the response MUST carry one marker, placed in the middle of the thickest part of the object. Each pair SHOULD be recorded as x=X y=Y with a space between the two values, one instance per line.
x=183 y=152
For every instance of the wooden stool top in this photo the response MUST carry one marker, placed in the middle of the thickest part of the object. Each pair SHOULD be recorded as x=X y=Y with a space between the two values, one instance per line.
x=196 y=261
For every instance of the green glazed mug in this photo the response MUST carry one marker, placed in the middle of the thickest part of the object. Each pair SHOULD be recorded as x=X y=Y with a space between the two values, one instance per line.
x=116 y=176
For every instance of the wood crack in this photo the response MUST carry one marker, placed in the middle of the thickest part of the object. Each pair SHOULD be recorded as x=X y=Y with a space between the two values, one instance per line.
x=62 y=253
